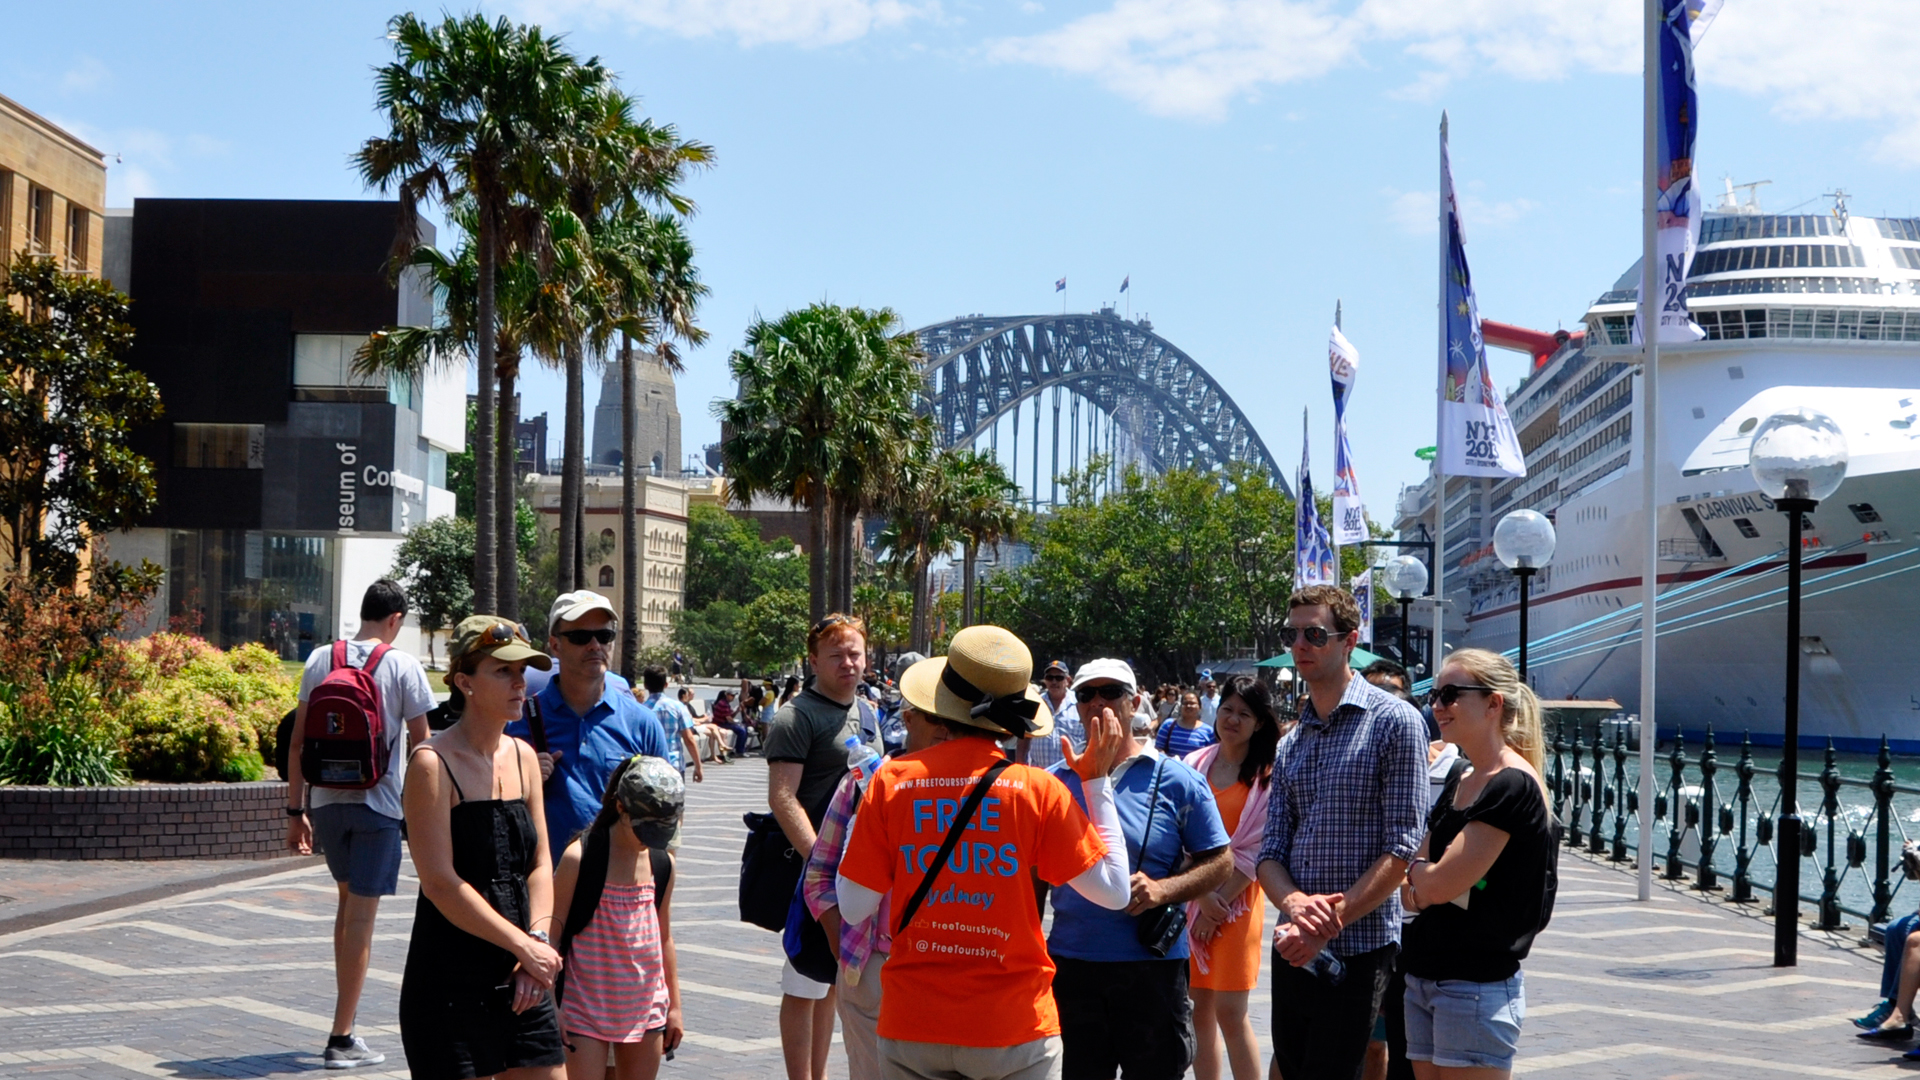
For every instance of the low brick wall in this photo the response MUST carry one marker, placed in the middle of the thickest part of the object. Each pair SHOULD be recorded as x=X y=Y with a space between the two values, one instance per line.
x=145 y=821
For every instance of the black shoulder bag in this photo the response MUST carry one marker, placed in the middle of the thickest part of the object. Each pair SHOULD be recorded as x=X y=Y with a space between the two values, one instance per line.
x=959 y=826
x=1158 y=929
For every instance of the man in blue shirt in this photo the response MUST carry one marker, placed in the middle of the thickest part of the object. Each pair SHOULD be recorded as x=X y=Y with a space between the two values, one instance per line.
x=593 y=721
x=1124 y=1009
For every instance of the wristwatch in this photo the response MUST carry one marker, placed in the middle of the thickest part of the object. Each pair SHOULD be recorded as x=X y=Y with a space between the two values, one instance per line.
x=540 y=936
x=296 y=811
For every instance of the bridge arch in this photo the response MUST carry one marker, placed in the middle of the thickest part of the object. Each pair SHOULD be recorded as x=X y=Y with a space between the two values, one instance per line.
x=1169 y=411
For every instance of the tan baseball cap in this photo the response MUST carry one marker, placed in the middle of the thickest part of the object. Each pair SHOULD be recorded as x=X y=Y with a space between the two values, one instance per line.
x=568 y=607
x=490 y=635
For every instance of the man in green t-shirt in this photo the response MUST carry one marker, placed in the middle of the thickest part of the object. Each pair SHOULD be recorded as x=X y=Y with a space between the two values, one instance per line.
x=806 y=757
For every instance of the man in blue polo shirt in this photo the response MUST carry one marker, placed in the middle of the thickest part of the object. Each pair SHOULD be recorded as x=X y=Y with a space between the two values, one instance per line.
x=593 y=721
x=1123 y=1009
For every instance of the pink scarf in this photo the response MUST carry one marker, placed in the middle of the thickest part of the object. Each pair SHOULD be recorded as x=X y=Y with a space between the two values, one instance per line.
x=1245 y=845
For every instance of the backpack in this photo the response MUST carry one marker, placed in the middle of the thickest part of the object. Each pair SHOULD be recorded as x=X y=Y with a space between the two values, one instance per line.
x=344 y=743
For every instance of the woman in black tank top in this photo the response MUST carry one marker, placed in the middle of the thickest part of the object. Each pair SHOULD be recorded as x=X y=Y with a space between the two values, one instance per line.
x=476 y=996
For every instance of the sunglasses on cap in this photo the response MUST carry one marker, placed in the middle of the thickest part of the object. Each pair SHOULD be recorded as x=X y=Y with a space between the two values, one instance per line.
x=1316 y=636
x=1447 y=695
x=580 y=637
x=1108 y=691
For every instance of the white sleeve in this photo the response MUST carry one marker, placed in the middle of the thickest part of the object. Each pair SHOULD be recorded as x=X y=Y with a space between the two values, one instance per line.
x=857 y=902
x=319 y=663
x=1105 y=882
x=419 y=692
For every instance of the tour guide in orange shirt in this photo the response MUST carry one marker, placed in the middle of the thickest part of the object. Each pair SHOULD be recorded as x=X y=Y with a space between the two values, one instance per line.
x=968 y=988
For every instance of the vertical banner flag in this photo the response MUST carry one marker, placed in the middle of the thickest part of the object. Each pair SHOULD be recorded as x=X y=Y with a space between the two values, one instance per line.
x=1676 y=206
x=1363 y=595
x=1349 y=515
x=1476 y=434
x=1312 y=547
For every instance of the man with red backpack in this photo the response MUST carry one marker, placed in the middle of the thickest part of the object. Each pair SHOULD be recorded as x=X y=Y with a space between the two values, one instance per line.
x=356 y=699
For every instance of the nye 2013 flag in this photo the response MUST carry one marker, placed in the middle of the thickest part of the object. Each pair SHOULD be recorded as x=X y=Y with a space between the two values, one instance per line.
x=1312 y=547
x=1363 y=595
x=1476 y=434
x=1349 y=516
x=1676 y=205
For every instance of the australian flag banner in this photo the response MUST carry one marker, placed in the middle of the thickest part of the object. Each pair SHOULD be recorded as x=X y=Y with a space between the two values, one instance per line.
x=1363 y=595
x=1349 y=516
x=1312 y=547
x=1677 y=202
x=1476 y=436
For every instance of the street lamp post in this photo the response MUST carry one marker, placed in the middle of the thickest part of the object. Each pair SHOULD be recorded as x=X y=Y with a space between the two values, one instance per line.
x=1406 y=578
x=1798 y=457
x=1523 y=542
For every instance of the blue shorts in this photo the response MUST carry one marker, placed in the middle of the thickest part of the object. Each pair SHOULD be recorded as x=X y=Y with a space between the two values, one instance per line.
x=1465 y=1025
x=362 y=847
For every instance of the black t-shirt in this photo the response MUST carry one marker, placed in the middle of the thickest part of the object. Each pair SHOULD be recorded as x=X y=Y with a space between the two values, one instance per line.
x=813 y=730
x=1486 y=940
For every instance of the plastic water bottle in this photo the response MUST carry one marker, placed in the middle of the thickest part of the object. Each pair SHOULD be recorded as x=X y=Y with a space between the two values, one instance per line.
x=1328 y=967
x=862 y=760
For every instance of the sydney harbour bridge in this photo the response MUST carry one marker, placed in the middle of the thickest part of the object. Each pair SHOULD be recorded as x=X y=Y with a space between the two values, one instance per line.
x=1111 y=385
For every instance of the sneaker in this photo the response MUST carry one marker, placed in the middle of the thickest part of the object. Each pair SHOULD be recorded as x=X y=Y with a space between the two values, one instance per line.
x=352 y=1056
x=1875 y=1018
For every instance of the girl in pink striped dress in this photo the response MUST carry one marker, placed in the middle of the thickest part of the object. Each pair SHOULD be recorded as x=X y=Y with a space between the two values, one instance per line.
x=620 y=995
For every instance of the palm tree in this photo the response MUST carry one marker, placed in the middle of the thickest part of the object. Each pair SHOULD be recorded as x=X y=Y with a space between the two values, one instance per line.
x=985 y=508
x=473 y=108
x=609 y=168
x=649 y=261
x=922 y=511
x=877 y=436
x=810 y=383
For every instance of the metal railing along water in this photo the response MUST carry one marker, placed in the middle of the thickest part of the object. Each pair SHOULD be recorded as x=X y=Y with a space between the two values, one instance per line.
x=1718 y=819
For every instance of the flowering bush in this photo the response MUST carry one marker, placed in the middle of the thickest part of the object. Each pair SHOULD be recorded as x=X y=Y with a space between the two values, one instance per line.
x=203 y=714
x=64 y=677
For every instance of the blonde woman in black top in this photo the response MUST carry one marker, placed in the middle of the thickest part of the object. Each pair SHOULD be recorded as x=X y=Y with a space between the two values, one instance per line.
x=1480 y=881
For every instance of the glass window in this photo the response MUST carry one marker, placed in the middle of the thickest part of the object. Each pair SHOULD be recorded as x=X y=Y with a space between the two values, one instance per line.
x=326 y=360
x=436 y=467
x=232 y=587
x=1746 y=528
x=219 y=446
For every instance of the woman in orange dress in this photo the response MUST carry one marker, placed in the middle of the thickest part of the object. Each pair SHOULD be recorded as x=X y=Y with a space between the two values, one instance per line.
x=1226 y=925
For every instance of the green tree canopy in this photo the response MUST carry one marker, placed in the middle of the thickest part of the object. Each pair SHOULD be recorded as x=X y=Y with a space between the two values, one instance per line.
x=435 y=563
x=727 y=560
x=68 y=403
x=773 y=631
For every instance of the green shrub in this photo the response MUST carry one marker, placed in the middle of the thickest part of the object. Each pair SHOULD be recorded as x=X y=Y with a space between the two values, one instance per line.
x=203 y=714
x=72 y=742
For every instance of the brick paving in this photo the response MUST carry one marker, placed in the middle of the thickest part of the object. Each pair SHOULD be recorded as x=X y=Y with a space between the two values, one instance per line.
x=235 y=980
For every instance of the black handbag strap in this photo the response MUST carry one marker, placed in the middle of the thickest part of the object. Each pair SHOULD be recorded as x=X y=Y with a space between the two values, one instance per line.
x=1153 y=805
x=959 y=825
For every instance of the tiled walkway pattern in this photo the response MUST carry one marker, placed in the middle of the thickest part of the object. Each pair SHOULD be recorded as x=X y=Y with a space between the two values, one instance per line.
x=236 y=980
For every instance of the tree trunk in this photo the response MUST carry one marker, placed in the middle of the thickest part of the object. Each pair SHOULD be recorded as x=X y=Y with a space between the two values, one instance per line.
x=572 y=469
x=629 y=519
x=847 y=553
x=836 y=540
x=968 y=561
x=922 y=641
x=486 y=598
x=506 y=448
x=816 y=551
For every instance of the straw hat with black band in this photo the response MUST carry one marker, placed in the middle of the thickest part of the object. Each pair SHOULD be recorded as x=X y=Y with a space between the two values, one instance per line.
x=984 y=681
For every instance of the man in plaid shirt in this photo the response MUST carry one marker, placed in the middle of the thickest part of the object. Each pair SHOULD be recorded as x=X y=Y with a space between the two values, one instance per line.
x=1345 y=816
x=864 y=945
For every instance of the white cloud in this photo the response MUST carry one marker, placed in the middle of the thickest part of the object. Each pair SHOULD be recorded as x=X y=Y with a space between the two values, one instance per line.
x=1813 y=59
x=1417 y=213
x=1191 y=57
x=87 y=73
x=751 y=22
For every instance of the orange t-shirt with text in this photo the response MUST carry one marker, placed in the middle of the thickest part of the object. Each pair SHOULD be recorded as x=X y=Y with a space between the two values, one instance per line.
x=972 y=969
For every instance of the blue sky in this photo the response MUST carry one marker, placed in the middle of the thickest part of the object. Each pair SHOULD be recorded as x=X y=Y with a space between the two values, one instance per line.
x=1247 y=163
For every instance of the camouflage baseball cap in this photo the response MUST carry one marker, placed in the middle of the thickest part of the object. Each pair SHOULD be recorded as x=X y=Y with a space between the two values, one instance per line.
x=490 y=635
x=653 y=794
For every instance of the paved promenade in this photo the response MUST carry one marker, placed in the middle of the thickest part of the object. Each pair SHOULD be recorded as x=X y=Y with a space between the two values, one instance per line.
x=235 y=979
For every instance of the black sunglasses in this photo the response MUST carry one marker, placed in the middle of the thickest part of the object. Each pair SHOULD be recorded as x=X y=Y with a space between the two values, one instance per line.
x=1109 y=691
x=1447 y=695
x=581 y=637
x=1317 y=636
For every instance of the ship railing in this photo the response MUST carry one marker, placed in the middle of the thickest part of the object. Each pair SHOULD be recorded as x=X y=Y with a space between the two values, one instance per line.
x=1711 y=833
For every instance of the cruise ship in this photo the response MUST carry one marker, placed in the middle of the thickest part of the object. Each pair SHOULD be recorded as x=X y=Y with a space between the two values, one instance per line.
x=1821 y=310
